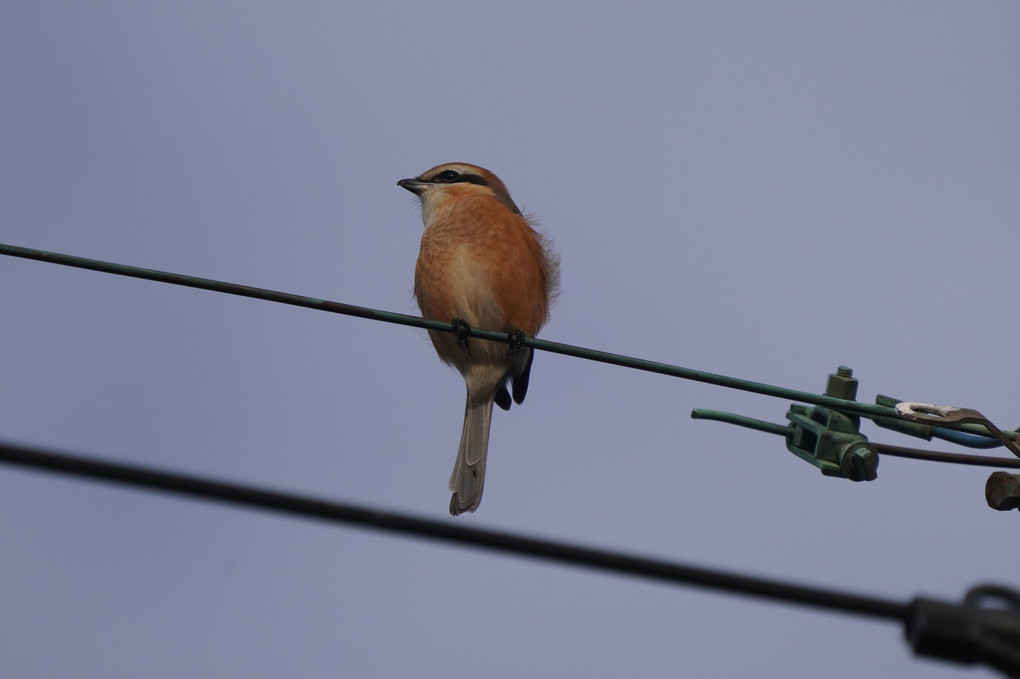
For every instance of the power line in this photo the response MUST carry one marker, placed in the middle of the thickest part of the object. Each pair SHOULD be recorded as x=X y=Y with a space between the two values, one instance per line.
x=336 y=512
x=971 y=633
x=883 y=413
x=952 y=458
x=221 y=286
x=868 y=409
x=872 y=410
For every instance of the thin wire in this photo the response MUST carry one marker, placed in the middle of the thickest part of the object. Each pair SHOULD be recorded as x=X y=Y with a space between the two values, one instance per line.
x=220 y=286
x=335 y=512
x=868 y=409
x=953 y=458
x=964 y=439
x=786 y=430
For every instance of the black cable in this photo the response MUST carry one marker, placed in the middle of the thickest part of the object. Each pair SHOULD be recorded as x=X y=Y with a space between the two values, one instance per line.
x=336 y=512
x=954 y=458
x=967 y=633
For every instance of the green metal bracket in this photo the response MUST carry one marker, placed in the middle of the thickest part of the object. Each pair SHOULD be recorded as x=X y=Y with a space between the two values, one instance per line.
x=831 y=441
x=827 y=438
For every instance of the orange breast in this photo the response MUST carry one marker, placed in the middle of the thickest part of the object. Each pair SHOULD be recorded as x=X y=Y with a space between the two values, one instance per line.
x=483 y=263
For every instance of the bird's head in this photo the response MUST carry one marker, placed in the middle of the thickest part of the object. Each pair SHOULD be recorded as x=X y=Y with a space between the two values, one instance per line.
x=453 y=181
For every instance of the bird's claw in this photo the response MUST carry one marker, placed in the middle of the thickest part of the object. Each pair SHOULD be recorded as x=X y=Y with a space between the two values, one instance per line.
x=516 y=341
x=462 y=330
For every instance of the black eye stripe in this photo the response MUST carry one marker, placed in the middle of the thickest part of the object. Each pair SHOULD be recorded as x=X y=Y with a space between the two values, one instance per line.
x=454 y=177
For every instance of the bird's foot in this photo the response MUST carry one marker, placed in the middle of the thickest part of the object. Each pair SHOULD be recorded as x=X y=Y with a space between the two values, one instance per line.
x=462 y=330
x=517 y=337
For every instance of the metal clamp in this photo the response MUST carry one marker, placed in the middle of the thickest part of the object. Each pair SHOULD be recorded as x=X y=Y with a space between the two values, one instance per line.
x=950 y=416
x=830 y=441
x=984 y=629
x=1002 y=490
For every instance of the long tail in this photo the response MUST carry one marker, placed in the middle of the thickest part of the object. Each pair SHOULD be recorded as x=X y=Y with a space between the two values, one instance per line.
x=468 y=475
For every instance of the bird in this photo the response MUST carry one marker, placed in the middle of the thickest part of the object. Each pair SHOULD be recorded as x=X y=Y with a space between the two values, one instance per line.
x=482 y=264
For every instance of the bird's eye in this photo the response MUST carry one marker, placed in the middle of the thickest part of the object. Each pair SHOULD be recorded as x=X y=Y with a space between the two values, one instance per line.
x=447 y=176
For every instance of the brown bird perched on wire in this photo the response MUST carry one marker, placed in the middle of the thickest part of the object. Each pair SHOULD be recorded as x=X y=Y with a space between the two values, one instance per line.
x=481 y=265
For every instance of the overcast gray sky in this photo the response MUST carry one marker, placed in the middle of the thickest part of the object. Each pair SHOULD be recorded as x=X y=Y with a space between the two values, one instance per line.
x=760 y=189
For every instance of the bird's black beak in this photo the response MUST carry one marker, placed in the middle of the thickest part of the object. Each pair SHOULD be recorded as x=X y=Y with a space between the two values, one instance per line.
x=415 y=186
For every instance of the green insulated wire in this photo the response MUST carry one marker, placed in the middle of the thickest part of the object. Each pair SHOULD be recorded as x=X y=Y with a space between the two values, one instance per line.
x=866 y=409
